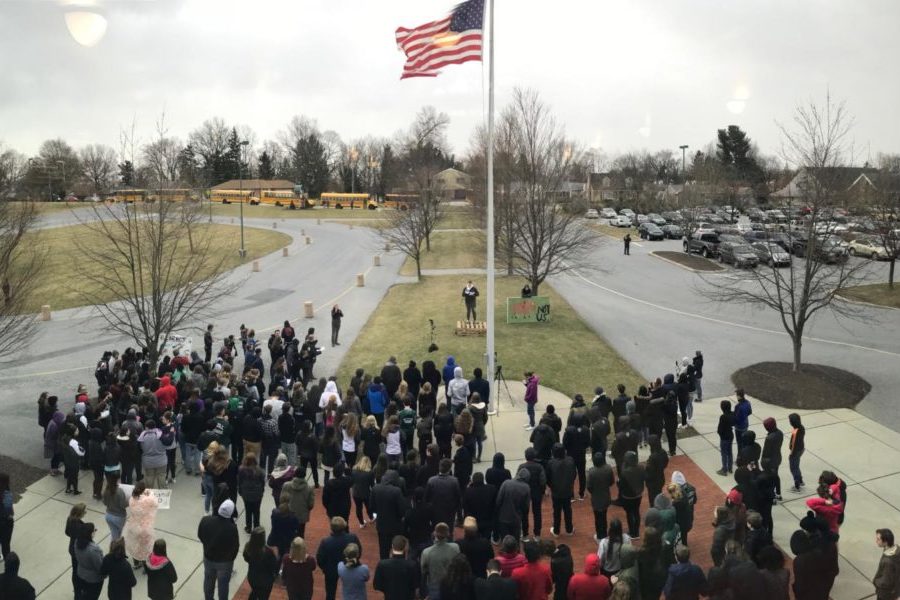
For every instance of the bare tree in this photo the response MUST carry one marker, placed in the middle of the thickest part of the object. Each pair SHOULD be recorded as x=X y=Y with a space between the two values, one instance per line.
x=98 y=165
x=885 y=209
x=162 y=281
x=405 y=232
x=21 y=264
x=545 y=241
x=817 y=144
x=13 y=166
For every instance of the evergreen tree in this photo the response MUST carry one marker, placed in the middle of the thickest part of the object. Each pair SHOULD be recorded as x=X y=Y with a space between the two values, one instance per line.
x=389 y=171
x=734 y=151
x=231 y=165
x=266 y=166
x=310 y=164
x=126 y=174
x=188 y=166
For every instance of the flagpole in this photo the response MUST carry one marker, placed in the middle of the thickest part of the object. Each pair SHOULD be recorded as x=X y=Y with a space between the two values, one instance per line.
x=490 y=213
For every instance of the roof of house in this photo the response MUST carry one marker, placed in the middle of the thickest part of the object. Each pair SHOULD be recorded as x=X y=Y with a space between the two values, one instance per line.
x=452 y=171
x=255 y=184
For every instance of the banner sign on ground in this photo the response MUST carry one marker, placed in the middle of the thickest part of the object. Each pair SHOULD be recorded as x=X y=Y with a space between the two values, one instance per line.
x=163 y=497
x=528 y=310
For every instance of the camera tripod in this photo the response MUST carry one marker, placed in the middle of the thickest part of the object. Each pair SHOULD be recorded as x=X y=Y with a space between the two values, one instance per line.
x=498 y=379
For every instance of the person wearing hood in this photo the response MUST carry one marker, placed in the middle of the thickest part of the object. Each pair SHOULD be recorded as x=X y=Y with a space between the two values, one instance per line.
x=219 y=535
x=887 y=577
x=562 y=568
x=750 y=451
x=561 y=478
x=686 y=580
x=512 y=505
x=531 y=396
x=153 y=444
x=166 y=395
x=115 y=567
x=656 y=469
x=724 y=531
x=497 y=473
x=377 y=399
x=796 y=447
x=391 y=376
x=457 y=391
x=576 y=440
x=684 y=499
x=537 y=482
x=89 y=560
x=447 y=373
x=542 y=440
x=387 y=501
x=629 y=574
x=815 y=558
x=13 y=586
x=770 y=460
x=742 y=412
x=664 y=518
x=589 y=584
x=161 y=574
x=632 y=479
x=600 y=480
x=479 y=500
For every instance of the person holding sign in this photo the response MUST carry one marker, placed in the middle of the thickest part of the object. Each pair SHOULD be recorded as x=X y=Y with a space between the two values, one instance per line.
x=469 y=294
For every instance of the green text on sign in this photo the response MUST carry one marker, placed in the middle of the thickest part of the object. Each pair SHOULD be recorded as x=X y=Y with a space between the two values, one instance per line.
x=528 y=310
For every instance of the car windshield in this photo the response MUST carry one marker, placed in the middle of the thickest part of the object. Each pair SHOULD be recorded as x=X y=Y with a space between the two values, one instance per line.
x=742 y=249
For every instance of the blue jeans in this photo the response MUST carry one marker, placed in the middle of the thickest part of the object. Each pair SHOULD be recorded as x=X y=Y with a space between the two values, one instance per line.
x=116 y=523
x=206 y=484
x=216 y=573
x=727 y=455
x=530 y=409
x=794 y=464
x=290 y=451
x=698 y=389
x=739 y=438
x=192 y=460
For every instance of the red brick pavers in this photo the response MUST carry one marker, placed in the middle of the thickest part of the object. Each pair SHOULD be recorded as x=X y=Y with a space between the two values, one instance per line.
x=708 y=497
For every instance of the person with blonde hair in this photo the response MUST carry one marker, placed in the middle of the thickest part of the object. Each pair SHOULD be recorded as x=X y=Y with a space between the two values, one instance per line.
x=353 y=574
x=363 y=480
x=349 y=437
x=297 y=568
x=370 y=438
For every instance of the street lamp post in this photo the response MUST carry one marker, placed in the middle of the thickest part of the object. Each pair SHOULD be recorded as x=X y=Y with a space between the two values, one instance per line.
x=683 y=148
x=63 y=165
x=243 y=250
x=354 y=154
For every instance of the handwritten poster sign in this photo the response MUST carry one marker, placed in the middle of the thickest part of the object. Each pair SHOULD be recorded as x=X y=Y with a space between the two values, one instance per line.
x=163 y=497
x=528 y=310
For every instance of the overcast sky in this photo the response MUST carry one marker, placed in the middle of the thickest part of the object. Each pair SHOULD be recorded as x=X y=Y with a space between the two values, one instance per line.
x=620 y=75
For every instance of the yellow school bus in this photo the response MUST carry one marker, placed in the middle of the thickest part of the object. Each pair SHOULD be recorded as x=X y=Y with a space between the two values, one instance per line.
x=400 y=201
x=130 y=195
x=172 y=195
x=335 y=200
x=231 y=196
x=283 y=198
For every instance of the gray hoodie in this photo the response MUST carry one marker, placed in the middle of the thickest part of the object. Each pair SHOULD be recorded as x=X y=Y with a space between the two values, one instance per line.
x=153 y=451
x=89 y=560
x=458 y=388
x=513 y=498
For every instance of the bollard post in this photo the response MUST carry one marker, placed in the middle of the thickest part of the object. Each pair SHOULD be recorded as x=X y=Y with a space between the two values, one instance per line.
x=360 y=280
x=308 y=309
x=284 y=251
x=318 y=221
x=308 y=241
x=275 y=225
x=351 y=225
x=232 y=220
x=302 y=232
x=376 y=260
x=45 y=312
x=387 y=247
x=256 y=266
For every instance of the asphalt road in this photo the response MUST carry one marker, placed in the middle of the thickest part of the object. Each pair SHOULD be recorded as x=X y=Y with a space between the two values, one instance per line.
x=654 y=312
x=65 y=350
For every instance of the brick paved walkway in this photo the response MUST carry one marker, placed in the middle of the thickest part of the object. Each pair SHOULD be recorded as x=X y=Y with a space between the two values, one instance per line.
x=708 y=496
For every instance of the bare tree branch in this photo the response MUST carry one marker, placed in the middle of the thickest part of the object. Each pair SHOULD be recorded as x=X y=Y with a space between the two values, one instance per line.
x=21 y=265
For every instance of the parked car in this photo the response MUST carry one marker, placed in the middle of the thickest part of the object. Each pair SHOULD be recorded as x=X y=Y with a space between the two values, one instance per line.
x=649 y=231
x=608 y=213
x=868 y=247
x=776 y=216
x=706 y=244
x=771 y=254
x=738 y=254
x=591 y=214
x=621 y=221
x=627 y=212
x=640 y=219
x=731 y=238
x=656 y=219
x=672 y=232
x=672 y=217
x=756 y=215
x=777 y=237
x=828 y=251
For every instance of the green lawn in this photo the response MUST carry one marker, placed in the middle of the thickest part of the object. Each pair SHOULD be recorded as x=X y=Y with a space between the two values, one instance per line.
x=451 y=250
x=265 y=211
x=56 y=287
x=567 y=355
x=456 y=217
x=878 y=293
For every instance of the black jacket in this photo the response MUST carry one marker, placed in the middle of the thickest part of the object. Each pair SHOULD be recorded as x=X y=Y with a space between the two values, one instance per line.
x=771 y=451
x=542 y=438
x=751 y=451
x=443 y=492
x=413 y=379
x=397 y=578
x=496 y=587
x=561 y=475
x=537 y=480
x=391 y=377
x=161 y=580
x=482 y=386
x=576 y=440
x=120 y=574
x=219 y=537
x=261 y=571
x=726 y=426
x=336 y=496
x=331 y=551
x=478 y=502
x=388 y=502
x=599 y=483
x=479 y=551
x=513 y=500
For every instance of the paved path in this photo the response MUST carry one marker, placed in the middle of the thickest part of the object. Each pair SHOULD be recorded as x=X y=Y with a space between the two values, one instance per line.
x=65 y=349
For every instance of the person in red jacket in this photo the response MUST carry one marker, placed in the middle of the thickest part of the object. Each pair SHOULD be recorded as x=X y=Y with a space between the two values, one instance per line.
x=533 y=579
x=590 y=585
x=166 y=395
x=827 y=507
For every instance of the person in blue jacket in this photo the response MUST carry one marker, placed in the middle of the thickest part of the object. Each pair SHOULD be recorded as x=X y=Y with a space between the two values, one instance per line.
x=742 y=412
x=447 y=372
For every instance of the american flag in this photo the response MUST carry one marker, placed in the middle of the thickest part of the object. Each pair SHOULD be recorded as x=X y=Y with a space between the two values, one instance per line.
x=452 y=40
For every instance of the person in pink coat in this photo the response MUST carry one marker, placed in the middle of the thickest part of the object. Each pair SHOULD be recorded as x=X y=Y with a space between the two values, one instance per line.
x=138 y=532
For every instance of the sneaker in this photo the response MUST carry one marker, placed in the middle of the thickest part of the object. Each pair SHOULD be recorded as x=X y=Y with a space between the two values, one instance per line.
x=778 y=497
x=363 y=525
x=596 y=539
x=247 y=529
x=553 y=532
x=491 y=413
x=571 y=533
x=527 y=425
x=76 y=492
x=721 y=472
x=795 y=489
x=580 y=498
x=529 y=428
x=173 y=480
x=495 y=541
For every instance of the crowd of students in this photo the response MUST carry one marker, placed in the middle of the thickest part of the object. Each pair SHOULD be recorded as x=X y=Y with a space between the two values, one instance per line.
x=400 y=446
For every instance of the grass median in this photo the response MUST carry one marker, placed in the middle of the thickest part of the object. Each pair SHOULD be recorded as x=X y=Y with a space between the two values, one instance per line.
x=567 y=354
x=878 y=293
x=56 y=287
x=451 y=250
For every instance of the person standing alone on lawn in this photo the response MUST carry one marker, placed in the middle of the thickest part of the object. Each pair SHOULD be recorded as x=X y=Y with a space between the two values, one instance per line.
x=627 y=240
x=469 y=294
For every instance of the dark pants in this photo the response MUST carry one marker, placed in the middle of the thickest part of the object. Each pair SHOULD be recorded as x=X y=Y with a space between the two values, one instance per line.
x=260 y=593
x=564 y=506
x=237 y=451
x=208 y=352
x=470 y=312
x=536 y=500
x=627 y=248
x=765 y=511
x=331 y=582
x=580 y=466
x=774 y=472
x=600 y=523
x=671 y=425
x=6 y=529
x=505 y=529
x=170 y=462
x=98 y=482
x=90 y=591
x=682 y=407
x=55 y=460
x=311 y=464
x=529 y=406
x=739 y=438
x=794 y=465
x=654 y=489
x=335 y=329
x=632 y=508
x=727 y=452
x=71 y=479
x=360 y=503
x=216 y=575
x=384 y=542
x=251 y=513
x=267 y=460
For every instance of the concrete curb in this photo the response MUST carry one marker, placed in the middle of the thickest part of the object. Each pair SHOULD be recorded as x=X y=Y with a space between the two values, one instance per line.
x=862 y=302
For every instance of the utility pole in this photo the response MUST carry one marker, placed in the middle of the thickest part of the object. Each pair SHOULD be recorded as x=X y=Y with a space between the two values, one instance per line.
x=683 y=148
x=243 y=251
